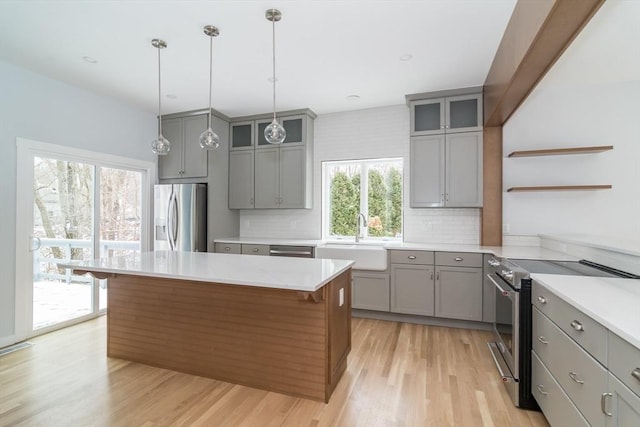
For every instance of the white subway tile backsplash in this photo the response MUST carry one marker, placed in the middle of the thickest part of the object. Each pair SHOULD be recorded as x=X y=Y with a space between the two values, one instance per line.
x=372 y=133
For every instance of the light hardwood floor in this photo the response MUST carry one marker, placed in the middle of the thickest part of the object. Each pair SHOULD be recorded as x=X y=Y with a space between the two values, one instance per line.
x=399 y=374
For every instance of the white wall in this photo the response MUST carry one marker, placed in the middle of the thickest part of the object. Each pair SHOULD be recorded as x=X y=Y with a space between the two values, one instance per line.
x=371 y=133
x=590 y=97
x=35 y=107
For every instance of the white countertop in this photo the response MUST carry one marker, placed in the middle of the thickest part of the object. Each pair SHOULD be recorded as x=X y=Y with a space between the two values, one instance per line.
x=267 y=241
x=615 y=244
x=615 y=303
x=300 y=274
x=514 y=252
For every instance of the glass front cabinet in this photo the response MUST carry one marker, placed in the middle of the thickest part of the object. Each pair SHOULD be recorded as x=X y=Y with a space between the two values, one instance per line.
x=452 y=114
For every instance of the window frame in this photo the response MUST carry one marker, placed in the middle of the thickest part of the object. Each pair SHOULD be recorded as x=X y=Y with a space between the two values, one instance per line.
x=365 y=165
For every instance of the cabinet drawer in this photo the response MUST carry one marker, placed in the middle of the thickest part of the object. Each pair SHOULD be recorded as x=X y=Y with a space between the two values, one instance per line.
x=411 y=257
x=579 y=374
x=459 y=259
x=591 y=335
x=228 y=248
x=556 y=405
x=624 y=362
x=255 y=249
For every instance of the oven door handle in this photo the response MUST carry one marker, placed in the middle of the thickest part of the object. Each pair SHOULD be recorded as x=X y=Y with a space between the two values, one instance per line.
x=500 y=364
x=500 y=288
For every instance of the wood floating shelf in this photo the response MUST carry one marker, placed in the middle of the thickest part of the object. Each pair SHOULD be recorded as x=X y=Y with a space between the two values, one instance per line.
x=561 y=151
x=560 y=188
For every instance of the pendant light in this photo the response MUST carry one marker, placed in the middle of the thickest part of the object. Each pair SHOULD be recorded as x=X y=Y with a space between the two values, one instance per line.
x=209 y=140
x=160 y=146
x=274 y=133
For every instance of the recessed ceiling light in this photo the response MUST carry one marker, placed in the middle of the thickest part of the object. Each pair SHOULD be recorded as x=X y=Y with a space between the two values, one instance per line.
x=406 y=57
x=89 y=59
x=353 y=98
x=171 y=96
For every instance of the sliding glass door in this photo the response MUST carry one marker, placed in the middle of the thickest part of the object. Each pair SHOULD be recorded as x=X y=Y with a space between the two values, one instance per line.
x=72 y=205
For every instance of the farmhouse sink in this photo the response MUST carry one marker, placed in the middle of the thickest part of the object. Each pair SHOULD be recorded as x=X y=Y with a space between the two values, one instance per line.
x=366 y=255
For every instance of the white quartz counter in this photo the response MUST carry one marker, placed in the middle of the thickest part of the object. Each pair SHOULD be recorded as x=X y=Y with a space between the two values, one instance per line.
x=514 y=252
x=300 y=274
x=615 y=303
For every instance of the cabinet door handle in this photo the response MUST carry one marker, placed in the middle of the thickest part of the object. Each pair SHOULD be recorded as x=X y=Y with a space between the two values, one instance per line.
x=636 y=374
x=543 y=340
x=577 y=326
x=542 y=300
x=255 y=250
x=438 y=275
x=574 y=377
x=227 y=248
x=411 y=257
x=603 y=404
x=540 y=388
x=458 y=258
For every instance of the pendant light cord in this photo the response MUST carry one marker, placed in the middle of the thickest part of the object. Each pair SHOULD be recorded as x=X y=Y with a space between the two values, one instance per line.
x=273 y=24
x=159 y=99
x=210 y=79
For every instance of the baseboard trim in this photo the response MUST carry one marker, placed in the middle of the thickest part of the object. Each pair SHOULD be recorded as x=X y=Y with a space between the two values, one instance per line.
x=421 y=320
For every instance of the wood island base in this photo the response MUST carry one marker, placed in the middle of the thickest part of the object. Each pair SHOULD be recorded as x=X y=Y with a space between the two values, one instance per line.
x=279 y=340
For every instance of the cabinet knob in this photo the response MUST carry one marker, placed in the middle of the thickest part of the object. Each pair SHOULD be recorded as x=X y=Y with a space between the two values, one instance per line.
x=411 y=257
x=540 y=388
x=255 y=250
x=543 y=340
x=577 y=326
x=227 y=248
x=458 y=258
x=542 y=300
x=636 y=374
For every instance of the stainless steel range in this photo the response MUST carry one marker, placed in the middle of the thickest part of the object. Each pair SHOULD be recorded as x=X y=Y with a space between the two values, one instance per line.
x=511 y=349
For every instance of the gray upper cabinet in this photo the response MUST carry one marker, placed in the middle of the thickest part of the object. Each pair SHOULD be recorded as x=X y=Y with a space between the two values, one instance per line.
x=241 y=181
x=282 y=175
x=185 y=159
x=446 y=170
x=242 y=135
x=462 y=113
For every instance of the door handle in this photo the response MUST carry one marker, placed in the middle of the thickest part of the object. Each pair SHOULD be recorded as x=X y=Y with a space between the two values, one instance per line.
x=603 y=404
x=577 y=326
x=458 y=258
x=411 y=257
x=543 y=340
x=636 y=374
x=574 y=377
x=540 y=388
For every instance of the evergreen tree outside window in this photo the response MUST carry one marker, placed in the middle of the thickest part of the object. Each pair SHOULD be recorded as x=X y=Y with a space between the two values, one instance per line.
x=372 y=187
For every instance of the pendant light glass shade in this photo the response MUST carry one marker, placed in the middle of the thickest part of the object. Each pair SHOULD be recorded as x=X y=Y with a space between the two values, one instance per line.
x=274 y=133
x=209 y=140
x=160 y=146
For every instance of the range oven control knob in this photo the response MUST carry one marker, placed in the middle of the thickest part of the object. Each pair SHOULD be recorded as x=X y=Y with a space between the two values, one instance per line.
x=507 y=274
x=493 y=262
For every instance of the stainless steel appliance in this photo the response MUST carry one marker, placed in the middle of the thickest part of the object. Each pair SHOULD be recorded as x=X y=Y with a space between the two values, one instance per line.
x=511 y=349
x=180 y=217
x=291 y=251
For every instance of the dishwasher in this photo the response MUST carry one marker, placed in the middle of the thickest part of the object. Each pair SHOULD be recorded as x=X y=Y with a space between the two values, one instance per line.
x=292 y=251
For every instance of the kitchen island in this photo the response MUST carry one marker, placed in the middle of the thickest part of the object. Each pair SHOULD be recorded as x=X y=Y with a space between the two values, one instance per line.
x=279 y=324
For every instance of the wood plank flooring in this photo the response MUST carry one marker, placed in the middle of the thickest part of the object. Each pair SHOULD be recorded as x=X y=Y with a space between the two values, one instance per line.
x=399 y=374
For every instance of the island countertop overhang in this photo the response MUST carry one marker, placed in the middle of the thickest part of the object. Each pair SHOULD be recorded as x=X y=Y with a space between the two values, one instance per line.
x=298 y=274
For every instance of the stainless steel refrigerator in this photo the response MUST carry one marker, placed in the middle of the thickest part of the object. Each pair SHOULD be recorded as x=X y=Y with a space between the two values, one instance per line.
x=180 y=217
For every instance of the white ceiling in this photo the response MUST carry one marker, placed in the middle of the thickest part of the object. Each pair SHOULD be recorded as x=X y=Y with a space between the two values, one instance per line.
x=326 y=50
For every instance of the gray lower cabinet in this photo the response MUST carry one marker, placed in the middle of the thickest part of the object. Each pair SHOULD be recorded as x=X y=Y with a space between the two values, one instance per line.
x=228 y=248
x=624 y=409
x=370 y=291
x=412 y=289
x=446 y=170
x=241 y=182
x=186 y=159
x=488 y=293
x=249 y=249
x=458 y=293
